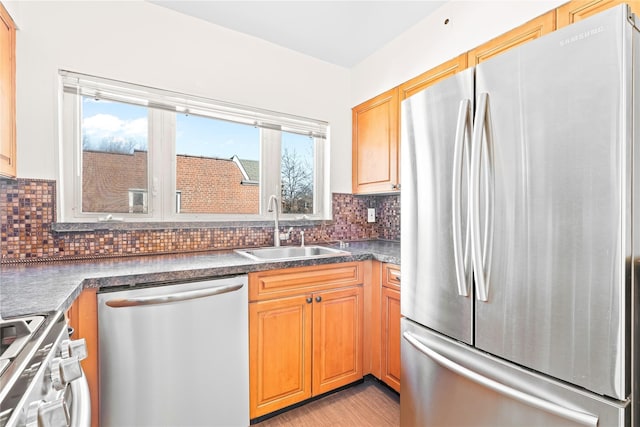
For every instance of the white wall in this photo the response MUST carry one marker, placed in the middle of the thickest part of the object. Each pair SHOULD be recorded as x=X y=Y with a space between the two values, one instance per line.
x=143 y=43
x=431 y=42
x=139 y=42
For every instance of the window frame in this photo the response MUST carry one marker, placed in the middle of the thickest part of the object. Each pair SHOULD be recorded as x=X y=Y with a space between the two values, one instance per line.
x=163 y=108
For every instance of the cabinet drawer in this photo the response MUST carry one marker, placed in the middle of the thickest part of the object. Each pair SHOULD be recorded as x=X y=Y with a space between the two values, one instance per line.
x=391 y=276
x=294 y=281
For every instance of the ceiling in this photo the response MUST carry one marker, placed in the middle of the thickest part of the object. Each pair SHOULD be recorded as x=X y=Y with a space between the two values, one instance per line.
x=339 y=32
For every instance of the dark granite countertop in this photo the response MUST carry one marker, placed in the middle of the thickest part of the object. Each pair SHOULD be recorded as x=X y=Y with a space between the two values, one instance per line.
x=45 y=287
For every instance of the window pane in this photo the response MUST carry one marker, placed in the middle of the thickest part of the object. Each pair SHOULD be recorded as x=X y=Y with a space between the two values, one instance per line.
x=114 y=157
x=217 y=166
x=297 y=173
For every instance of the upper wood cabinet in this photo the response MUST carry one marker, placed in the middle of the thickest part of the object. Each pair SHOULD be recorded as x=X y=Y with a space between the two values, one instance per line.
x=432 y=76
x=375 y=145
x=576 y=10
x=7 y=95
x=532 y=30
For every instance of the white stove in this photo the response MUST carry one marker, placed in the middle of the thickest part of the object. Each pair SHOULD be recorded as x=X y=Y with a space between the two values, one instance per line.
x=41 y=379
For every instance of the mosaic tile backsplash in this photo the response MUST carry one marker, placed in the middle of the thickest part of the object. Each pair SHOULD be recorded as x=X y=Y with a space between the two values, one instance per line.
x=28 y=211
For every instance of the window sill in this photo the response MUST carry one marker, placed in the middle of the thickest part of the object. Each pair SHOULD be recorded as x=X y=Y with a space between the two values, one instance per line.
x=81 y=227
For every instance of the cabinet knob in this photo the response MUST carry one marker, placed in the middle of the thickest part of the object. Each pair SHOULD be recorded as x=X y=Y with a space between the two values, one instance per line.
x=309 y=300
x=318 y=298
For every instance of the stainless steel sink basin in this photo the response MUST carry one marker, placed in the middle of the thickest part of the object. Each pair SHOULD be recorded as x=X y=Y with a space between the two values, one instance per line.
x=284 y=253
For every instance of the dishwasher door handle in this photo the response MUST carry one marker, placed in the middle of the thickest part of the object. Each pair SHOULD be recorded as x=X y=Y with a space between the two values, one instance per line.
x=180 y=296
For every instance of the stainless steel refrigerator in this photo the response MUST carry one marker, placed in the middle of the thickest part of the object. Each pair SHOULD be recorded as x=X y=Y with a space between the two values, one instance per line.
x=520 y=219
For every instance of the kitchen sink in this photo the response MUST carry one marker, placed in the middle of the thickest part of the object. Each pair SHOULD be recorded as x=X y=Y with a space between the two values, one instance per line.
x=284 y=253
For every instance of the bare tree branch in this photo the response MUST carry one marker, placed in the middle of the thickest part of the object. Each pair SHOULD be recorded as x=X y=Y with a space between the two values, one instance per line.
x=297 y=183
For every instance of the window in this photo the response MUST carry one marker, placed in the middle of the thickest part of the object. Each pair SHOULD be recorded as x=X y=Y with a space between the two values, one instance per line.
x=137 y=201
x=212 y=160
x=297 y=173
x=178 y=202
x=135 y=153
x=114 y=157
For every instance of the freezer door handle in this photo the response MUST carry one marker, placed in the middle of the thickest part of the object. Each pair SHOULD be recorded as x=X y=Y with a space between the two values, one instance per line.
x=460 y=161
x=481 y=161
x=180 y=296
x=533 y=401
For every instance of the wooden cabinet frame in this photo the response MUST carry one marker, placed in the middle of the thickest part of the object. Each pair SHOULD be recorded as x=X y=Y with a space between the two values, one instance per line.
x=577 y=10
x=8 y=98
x=432 y=76
x=83 y=318
x=390 y=365
x=306 y=329
x=375 y=144
x=531 y=30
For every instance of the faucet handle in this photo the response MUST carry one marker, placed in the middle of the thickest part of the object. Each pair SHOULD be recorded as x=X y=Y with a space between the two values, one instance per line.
x=285 y=236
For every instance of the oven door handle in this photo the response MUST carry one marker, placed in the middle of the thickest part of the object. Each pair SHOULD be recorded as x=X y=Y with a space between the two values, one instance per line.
x=180 y=296
x=81 y=403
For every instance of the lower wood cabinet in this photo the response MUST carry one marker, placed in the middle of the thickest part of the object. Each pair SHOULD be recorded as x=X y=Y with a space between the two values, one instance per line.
x=337 y=339
x=83 y=318
x=390 y=348
x=390 y=328
x=305 y=344
x=280 y=343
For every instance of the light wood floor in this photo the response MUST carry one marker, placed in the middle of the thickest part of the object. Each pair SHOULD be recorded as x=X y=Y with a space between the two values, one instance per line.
x=365 y=405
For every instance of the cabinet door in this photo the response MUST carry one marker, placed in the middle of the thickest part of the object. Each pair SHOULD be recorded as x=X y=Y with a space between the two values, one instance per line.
x=83 y=318
x=7 y=95
x=391 y=338
x=533 y=29
x=279 y=353
x=375 y=144
x=577 y=10
x=337 y=338
x=432 y=76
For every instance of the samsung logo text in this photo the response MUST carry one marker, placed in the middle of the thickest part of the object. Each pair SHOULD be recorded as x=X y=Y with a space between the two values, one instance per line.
x=583 y=35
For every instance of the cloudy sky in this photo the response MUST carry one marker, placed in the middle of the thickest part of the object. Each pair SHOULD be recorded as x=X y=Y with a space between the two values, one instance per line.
x=114 y=124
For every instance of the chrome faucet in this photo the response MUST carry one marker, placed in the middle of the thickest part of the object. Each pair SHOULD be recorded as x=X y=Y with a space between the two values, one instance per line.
x=272 y=206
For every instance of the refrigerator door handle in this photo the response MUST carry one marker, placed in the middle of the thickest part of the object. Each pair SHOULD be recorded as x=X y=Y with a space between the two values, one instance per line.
x=481 y=251
x=533 y=401
x=460 y=161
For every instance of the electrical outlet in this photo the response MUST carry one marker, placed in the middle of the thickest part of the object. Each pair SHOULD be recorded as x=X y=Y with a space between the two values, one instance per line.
x=371 y=215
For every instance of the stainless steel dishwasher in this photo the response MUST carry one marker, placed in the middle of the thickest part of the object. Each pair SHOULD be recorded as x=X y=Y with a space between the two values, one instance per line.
x=175 y=355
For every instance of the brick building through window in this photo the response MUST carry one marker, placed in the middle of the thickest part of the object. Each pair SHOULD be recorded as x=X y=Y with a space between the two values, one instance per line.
x=113 y=181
